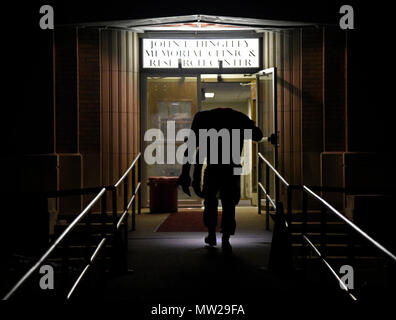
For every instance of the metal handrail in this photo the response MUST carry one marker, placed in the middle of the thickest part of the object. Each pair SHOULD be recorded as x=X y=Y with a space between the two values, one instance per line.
x=266 y=189
x=85 y=211
x=267 y=195
x=353 y=190
x=331 y=208
x=91 y=261
x=350 y=223
x=135 y=189
x=128 y=170
x=307 y=191
x=274 y=170
x=55 y=244
x=120 y=220
x=329 y=267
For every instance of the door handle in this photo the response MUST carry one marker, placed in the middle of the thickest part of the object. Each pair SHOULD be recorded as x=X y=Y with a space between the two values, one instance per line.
x=272 y=139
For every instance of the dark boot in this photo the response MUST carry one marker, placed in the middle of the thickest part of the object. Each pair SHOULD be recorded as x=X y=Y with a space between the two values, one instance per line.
x=211 y=238
x=225 y=244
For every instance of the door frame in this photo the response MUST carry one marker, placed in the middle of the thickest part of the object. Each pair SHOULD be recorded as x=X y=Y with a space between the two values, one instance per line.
x=265 y=72
x=143 y=123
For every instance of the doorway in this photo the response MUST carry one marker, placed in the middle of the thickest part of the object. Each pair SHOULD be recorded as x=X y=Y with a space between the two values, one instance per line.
x=236 y=91
x=178 y=99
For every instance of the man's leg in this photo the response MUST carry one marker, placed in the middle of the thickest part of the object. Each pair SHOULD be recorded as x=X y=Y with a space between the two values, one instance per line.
x=210 y=211
x=230 y=194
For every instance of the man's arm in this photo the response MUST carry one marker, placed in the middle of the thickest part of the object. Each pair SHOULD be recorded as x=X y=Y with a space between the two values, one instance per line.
x=257 y=134
x=184 y=179
x=197 y=173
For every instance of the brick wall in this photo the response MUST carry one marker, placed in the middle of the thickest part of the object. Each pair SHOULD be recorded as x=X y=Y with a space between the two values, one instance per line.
x=120 y=109
x=89 y=107
x=312 y=103
x=66 y=90
x=335 y=90
x=89 y=90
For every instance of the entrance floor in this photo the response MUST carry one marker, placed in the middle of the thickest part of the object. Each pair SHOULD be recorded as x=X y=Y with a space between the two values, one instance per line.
x=175 y=268
x=247 y=218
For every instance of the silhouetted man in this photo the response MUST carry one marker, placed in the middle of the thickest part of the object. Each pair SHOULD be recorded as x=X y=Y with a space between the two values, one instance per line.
x=222 y=173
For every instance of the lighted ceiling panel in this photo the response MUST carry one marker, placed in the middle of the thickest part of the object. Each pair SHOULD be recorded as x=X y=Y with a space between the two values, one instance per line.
x=198 y=22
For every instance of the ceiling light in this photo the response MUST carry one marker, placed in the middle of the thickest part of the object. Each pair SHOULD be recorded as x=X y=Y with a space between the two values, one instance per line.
x=209 y=94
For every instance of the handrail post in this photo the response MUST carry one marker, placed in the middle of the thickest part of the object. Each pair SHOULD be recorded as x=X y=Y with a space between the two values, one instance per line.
x=258 y=185
x=126 y=209
x=88 y=246
x=304 y=213
x=114 y=200
x=65 y=263
x=276 y=189
x=267 y=187
x=104 y=231
x=88 y=233
x=140 y=187
x=323 y=230
x=104 y=214
x=289 y=205
x=304 y=228
x=351 y=245
x=134 y=201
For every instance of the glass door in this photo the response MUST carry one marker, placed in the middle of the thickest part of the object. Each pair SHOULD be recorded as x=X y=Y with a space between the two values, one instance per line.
x=169 y=101
x=267 y=120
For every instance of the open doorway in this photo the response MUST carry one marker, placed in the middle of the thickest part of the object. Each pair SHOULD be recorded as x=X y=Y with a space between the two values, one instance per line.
x=238 y=92
x=179 y=99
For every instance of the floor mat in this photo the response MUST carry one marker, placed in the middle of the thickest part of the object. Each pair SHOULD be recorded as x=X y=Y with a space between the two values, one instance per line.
x=185 y=221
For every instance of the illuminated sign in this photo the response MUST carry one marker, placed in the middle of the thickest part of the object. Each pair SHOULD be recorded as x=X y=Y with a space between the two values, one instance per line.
x=200 y=53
